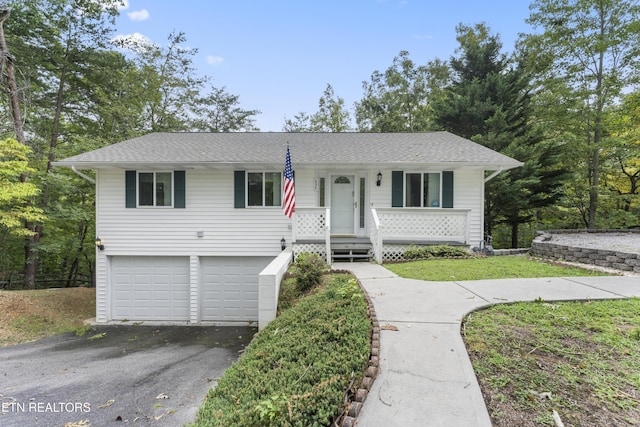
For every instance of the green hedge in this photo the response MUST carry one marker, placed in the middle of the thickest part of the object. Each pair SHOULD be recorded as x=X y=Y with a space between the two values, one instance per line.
x=296 y=371
x=435 y=251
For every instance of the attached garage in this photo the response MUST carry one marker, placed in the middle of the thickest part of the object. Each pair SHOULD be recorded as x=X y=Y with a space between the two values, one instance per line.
x=152 y=288
x=229 y=288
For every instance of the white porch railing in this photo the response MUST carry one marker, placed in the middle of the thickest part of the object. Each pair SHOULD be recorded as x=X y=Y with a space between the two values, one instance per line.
x=417 y=225
x=313 y=224
x=375 y=235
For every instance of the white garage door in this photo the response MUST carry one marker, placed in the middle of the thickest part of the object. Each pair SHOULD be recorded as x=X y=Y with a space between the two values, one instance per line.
x=230 y=288
x=150 y=288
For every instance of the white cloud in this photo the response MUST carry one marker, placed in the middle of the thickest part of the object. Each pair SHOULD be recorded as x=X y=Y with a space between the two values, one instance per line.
x=123 y=5
x=214 y=60
x=135 y=42
x=139 y=15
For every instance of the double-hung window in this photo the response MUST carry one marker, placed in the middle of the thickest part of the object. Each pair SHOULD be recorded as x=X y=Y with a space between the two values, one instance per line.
x=422 y=190
x=264 y=189
x=155 y=189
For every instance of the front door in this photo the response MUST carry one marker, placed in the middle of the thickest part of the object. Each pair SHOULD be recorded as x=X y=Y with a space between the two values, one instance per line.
x=342 y=204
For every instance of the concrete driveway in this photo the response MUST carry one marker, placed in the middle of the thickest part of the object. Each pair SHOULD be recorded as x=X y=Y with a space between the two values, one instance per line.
x=126 y=375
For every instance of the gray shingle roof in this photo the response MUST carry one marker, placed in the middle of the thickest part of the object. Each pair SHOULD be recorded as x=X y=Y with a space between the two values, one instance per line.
x=337 y=149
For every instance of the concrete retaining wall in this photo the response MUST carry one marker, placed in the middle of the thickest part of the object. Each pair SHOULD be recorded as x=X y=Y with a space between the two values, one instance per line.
x=603 y=258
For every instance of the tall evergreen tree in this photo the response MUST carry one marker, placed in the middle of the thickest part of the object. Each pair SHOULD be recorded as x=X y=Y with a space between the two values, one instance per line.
x=489 y=102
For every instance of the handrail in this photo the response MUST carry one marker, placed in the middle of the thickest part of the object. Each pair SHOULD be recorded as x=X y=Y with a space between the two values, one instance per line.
x=327 y=234
x=375 y=236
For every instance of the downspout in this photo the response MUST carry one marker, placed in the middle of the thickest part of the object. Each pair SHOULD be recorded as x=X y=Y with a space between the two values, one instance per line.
x=493 y=175
x=88 y=178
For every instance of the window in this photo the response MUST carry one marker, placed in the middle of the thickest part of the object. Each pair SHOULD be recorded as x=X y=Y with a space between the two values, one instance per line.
x=422 y=190
x=155 y=189
x=264 y=188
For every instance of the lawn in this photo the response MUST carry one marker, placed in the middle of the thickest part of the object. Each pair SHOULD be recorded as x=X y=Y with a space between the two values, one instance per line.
x=480 y=268
x=580 y=359
x=30 y=315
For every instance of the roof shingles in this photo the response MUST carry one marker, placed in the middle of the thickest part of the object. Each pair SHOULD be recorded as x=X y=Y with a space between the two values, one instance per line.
x=306 y=148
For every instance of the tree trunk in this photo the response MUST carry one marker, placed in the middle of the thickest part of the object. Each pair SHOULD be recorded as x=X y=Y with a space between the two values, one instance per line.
x=8 y=71
x=514 y=233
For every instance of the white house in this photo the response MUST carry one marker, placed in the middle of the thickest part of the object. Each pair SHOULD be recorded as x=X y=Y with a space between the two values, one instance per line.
x=188 y=221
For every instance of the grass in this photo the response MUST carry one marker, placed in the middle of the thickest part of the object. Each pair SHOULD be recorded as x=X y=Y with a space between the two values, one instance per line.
x=581 y=359
x=31 y=315
x=480 y=268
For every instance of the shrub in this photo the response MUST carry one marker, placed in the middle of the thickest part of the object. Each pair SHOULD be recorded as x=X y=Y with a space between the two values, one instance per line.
x=308 y=269
x=435 y=251
x=296 y=371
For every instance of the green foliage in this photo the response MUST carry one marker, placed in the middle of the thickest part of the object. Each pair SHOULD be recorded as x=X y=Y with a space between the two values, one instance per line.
x=295 y=372
x=17 y=192
x=330 y=117
x=308 y=269
x=398 y=99
x=414 y=252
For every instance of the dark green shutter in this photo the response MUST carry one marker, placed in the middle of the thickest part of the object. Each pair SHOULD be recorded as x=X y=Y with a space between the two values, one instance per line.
x=130 y=189
x=447 y=189
x=238 y=189
x=179 y=189
x=397 y=178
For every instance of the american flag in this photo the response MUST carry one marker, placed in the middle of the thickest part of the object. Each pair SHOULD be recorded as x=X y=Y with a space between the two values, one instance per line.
x=289 y=201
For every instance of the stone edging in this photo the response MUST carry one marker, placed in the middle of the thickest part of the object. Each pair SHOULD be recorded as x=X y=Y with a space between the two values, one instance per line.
x=354 y=402
x=617 y=260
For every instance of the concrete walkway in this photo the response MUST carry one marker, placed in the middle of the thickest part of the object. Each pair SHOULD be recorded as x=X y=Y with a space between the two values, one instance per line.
x=426 y=377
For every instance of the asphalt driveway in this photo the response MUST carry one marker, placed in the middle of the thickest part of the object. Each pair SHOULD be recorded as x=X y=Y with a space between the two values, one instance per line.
x=116 y=375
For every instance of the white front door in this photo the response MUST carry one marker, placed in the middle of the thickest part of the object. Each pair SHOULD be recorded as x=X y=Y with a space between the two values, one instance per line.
x=342 y=204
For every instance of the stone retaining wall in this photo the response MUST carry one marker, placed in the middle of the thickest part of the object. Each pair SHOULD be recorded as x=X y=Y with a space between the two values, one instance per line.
x=603 y=258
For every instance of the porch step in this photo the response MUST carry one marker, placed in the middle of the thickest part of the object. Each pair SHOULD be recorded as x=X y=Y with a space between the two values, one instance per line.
x=352 y=249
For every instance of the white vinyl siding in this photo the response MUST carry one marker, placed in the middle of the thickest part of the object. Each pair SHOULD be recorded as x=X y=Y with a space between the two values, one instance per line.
x=208 y=210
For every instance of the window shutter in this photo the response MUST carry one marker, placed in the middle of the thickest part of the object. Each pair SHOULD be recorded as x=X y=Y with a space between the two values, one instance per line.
x=397 y=178
x=179 y=192
x=447 y=189
x=238 y=189
x=130 y=189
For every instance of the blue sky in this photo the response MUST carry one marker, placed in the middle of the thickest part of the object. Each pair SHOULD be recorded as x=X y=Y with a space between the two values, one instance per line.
x=279 y=55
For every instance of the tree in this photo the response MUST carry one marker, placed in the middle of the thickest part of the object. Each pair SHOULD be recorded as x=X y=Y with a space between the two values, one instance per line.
x=621 y=165
x=592 y=46
x=17 y=193
x=489 y=102
x=169 y=80
x=219 y=112
x=330 y=117
x=398 y=100
x=54 y=43
x=301 y=122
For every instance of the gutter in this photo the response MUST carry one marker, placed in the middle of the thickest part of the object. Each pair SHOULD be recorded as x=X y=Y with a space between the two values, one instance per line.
x=88 y=178
x=493 y=175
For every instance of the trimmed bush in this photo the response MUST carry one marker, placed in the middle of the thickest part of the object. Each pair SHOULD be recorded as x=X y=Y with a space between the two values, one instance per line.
x=308 y=269
x=296 y=371
x=435 y=251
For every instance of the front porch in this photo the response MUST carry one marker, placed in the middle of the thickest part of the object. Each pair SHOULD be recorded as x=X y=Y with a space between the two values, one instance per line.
x=386 y=236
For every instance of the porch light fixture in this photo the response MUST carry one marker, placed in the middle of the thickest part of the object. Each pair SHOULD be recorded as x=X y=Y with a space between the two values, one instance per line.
x=99 y=244
x=283 y=244
x=379 y=181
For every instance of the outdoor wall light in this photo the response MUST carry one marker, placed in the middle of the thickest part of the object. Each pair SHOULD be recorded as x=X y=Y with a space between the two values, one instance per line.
x=283 y=244
x=99 y=244
x=379 y=181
